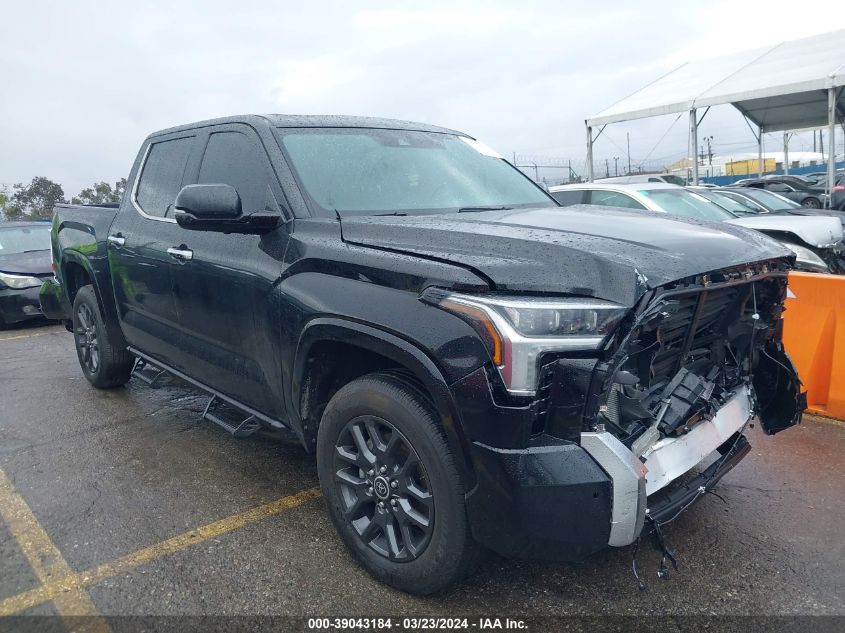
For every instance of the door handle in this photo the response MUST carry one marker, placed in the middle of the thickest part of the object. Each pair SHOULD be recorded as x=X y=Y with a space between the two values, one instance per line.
x=117 y=240
x=182 y=254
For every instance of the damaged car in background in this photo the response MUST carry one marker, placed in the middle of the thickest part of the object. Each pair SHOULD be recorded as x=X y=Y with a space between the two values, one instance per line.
x=472 y=365
x=817 y=240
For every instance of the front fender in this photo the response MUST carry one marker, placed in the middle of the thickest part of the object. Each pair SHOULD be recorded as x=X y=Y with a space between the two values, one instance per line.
x=403 y=353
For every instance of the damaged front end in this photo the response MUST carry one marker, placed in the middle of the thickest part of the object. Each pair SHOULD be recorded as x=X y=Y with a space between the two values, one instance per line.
x=630 y=429
x=698 y=360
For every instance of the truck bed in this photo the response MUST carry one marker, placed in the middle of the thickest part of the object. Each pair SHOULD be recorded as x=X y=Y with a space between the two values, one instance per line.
x=79 y=238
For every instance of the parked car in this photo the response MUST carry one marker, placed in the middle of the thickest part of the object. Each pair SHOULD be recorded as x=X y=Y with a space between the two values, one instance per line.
x=672 y=179
x=806 y=195
x=471 y=364
x=796 y=178
x=804 y=236
x=757 y=201
x=24 y=264
x=799 y=235
x=837 y=192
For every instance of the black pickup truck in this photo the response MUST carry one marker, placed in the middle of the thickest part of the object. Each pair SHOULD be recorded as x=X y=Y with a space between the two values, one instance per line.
x=472 y=364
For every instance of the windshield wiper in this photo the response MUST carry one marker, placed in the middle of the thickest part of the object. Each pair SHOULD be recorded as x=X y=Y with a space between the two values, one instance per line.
x=479 y=209
x=391 y=213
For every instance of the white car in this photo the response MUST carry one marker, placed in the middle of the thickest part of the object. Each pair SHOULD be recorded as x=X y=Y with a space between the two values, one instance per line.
x=815 y=240
x=671 y=179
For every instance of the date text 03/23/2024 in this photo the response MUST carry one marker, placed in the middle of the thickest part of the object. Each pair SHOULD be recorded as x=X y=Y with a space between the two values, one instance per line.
x=409 y=624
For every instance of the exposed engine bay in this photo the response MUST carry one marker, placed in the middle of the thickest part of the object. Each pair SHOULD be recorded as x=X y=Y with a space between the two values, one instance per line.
x=692 y=349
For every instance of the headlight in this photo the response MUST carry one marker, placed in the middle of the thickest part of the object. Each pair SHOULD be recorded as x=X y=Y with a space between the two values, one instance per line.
x=19 y=281
x=517 y=330
x=805 y=259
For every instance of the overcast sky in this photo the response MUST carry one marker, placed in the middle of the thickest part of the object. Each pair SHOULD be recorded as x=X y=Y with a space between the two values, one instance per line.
x=85 y=82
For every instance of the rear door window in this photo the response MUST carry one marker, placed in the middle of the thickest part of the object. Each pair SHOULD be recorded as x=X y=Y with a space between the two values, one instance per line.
x=614 y=199
x=779 y=187
x=162 y=175
x=569 y=196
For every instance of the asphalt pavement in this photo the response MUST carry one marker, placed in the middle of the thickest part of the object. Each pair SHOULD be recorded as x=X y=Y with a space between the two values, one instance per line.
x=126 y=502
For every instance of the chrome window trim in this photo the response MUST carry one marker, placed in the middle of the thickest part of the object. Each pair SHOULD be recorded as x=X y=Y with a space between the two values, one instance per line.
x=134 y=195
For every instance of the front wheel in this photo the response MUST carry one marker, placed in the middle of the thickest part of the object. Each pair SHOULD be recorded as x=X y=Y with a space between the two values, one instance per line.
x=811 y=203
x=392 y=485
x=104 y=365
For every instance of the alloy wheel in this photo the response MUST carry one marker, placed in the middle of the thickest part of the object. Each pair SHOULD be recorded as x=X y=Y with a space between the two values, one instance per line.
x=86 y=338
x=384 y=490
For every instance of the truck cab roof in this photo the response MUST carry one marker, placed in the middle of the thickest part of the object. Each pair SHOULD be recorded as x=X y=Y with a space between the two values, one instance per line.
x=309 y=120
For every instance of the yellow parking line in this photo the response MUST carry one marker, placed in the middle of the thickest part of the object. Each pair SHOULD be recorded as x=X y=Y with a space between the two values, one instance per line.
x=17 y=338
x=77 y=582
x=46 y=560
x=831 y=421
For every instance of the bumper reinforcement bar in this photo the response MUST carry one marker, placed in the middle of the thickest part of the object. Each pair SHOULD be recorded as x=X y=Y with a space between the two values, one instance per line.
x=667 y=505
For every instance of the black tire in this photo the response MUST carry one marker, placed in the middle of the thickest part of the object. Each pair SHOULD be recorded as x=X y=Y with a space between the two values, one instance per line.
x=104 y=364
x=446 y=552
x=811 y=203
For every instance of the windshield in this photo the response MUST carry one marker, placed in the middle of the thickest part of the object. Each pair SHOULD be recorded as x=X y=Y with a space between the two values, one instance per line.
x=687 y=204
x=674 y=180
x=362 y=171
x=770 y=199
x=730 y=204
x=795 y=183
x=21 y=239
x=748 y=206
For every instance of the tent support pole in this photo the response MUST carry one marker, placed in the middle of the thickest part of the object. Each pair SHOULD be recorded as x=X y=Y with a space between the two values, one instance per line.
x=589 y=154
x=693 y=131
x=760 y=151
x=831 y=144
x=786 y=153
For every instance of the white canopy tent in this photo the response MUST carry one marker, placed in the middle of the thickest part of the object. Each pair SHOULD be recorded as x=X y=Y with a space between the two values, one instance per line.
x=789 y=86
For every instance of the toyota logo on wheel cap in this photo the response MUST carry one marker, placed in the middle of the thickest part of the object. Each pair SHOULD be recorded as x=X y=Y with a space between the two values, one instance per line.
x=381 y=487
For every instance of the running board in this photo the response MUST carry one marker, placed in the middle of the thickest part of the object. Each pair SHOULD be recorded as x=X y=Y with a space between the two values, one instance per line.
x=153 y=375
x=152 y=372
x=243 y=428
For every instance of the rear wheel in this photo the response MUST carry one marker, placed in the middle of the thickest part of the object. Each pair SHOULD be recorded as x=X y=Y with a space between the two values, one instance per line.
x=392 y=485
x=811 y=203
x=103 y=364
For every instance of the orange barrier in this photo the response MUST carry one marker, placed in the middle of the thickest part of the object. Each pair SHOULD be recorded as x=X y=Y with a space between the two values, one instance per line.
x=814 y=336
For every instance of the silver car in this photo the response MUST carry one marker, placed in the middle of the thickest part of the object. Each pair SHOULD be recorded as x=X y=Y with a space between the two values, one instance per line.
x=815 y=240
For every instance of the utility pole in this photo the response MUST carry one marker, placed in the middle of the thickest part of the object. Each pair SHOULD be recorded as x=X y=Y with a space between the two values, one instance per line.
x=628 y=135
x=615 y=165
x=821 y=143
x=693 y=136
x=709 y=140
x=786 y=153
x=607 y=168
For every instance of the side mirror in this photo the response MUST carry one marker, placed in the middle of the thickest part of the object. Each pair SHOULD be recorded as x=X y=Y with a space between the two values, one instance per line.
x=218 y=208
x=209 y=202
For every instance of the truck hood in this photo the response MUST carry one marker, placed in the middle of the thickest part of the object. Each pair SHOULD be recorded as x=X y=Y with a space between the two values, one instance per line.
x=819 y=231
x=34 y=263
x=594 y=251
